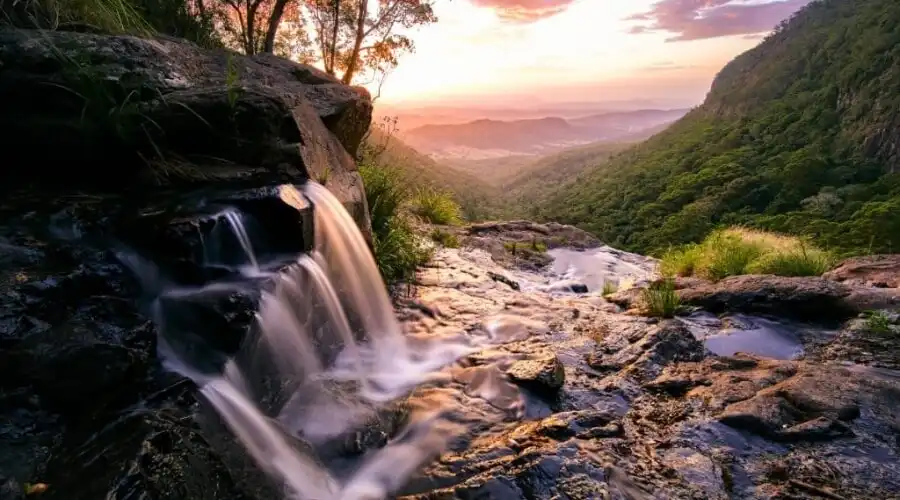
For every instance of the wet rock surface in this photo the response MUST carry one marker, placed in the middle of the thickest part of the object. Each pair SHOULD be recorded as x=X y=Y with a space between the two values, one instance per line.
x=85 y=406
x=646 y=410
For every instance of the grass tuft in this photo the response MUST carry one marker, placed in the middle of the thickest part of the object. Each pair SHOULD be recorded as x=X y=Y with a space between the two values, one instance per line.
x=737 y=251
x=444 y=238
x=436 y=207
x=398 y=249
x=878 y=322
x=660 y=299
x=610 y=287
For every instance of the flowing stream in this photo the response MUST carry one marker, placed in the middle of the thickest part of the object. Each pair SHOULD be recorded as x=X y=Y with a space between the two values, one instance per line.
x=322 y=358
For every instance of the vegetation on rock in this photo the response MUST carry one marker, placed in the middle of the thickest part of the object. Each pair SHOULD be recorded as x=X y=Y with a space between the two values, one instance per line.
x=435 y=206
x=737 y=251
x=797 y=135
x=660 y=300
x=398 y=249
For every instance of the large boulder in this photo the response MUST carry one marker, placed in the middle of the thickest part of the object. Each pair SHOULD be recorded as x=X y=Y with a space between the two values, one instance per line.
x=119 y=112
x=808 y=298
x=882 y=271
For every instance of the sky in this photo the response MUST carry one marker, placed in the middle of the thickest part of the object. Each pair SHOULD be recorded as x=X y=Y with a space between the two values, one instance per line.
x=508 y=52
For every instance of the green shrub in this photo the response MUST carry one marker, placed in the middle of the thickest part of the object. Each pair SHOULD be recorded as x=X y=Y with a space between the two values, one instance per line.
x=436 y=207
x=444 y=238
x=736 y=251
x=610 y=287
x=878 y=322
x=398 y=250
x=681 y=261
x=803 y=262
x=660 y=299
x=385 y=193
x=728 y=254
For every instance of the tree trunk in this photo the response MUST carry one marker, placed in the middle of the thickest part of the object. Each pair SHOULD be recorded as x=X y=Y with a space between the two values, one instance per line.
x=251 y=27
x=274 y=22
x=353 y=62
x=334 y=35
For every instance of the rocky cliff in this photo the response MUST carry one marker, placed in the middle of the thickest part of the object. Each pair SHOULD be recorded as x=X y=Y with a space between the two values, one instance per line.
x=117 y=148
x=124 y=113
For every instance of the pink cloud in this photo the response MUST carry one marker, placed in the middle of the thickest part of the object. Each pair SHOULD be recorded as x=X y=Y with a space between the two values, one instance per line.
x=525 y=11
x=699 y=19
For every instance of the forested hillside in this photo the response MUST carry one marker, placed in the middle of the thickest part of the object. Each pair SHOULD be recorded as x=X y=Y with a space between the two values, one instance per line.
x=800 y=134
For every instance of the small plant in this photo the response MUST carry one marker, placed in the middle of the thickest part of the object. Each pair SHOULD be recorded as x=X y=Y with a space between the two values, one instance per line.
x=444 y=238
x=398 y=250
x=878 y=322
x=660 y=299
x=232 y=83
x=436 y=207
x=326 y=174
x=610 y=287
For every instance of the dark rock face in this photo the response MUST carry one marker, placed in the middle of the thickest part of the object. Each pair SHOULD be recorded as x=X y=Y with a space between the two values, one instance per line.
x=119 y=112
x=85 y=405
x=116 y=151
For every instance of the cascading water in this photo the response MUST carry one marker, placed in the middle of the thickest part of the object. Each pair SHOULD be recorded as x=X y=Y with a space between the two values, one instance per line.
x=324 y=356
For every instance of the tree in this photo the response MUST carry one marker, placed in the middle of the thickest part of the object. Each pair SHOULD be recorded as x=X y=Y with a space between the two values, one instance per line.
x=246 y=23
x=352 y=36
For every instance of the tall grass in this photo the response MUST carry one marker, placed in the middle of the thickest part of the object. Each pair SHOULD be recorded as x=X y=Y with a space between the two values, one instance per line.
x=398 y=249
x=736 y=251
x=136 y=17
x=111 y=16
x=436 y=206
x=660 y=299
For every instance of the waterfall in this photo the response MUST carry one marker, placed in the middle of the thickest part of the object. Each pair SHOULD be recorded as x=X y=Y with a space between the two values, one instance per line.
x=323 y=357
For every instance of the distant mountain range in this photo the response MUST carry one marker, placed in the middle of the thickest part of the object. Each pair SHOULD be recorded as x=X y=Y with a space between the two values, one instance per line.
x=494 y=138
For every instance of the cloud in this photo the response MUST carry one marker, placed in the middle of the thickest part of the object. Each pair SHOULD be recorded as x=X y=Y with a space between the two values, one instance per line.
x=525 y=11
x=699 y=19
x=666 y=66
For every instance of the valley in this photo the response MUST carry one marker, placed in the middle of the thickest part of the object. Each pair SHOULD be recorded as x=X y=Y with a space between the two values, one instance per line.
x=488 y=138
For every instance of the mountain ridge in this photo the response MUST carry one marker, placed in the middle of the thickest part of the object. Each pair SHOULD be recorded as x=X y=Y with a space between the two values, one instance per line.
x=534 y=136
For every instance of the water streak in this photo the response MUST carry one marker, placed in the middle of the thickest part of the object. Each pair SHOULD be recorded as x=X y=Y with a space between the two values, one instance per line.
x=325 y=357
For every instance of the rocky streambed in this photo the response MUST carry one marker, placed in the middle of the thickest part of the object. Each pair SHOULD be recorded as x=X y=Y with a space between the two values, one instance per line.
x=741 y=400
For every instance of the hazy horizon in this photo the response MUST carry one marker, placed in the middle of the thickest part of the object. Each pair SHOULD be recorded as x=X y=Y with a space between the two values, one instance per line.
x=528 y=54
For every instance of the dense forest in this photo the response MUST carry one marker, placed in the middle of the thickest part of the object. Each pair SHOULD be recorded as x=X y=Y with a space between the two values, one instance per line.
x=800 y=134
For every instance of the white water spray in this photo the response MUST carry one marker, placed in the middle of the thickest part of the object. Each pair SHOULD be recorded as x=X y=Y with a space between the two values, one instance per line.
x=331 y=355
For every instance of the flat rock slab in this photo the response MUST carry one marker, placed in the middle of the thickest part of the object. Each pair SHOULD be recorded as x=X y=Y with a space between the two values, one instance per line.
x=808 y=298
x=882 y=271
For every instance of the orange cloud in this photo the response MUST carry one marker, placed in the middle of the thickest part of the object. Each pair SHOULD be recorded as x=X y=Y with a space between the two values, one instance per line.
x=524 y=11
x=699 y=19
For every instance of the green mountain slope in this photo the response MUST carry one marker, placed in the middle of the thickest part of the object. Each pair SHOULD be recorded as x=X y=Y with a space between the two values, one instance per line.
x=478 y=200
x=800 y=134
x=533 y=184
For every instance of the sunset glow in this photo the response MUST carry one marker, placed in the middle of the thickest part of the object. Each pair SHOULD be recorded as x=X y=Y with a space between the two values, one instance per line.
x=569 y=50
